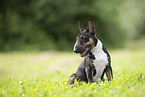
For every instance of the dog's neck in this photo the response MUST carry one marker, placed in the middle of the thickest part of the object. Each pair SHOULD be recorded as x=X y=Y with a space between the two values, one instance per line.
x=96 y=50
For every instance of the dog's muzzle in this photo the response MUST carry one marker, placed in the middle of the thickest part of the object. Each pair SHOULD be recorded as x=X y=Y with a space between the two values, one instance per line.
x=75 y=47
x=82 y=50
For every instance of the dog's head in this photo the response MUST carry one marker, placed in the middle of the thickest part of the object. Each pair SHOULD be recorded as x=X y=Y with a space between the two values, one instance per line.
x=86 y=40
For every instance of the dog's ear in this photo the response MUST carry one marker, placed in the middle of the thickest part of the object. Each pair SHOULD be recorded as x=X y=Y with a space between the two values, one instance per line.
x=91 y=28
x=81 y=28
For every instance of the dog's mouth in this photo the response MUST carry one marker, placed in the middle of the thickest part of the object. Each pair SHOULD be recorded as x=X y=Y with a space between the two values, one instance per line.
x=84 y=53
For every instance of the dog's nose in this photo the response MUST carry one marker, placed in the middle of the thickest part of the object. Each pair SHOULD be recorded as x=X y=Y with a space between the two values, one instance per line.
x=76 y=51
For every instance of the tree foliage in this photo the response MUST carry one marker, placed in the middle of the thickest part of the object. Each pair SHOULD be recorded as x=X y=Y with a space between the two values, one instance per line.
x=52 y=24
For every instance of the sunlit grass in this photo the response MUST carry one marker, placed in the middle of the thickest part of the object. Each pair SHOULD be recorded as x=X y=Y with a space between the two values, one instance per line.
x=46 y=74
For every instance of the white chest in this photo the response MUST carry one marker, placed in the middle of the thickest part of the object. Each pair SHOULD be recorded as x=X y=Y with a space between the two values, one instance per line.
x=101 y=60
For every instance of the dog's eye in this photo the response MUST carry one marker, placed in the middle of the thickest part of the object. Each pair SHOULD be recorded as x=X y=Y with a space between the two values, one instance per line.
x=85 y=38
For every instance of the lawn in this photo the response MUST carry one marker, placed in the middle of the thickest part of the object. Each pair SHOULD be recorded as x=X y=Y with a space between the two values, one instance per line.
x=35 y=74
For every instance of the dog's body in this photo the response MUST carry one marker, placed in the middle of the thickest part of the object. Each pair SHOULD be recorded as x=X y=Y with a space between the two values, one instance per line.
x=97 y=60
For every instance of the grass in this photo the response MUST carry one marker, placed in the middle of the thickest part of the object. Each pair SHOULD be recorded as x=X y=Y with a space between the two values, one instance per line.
x=46 y=74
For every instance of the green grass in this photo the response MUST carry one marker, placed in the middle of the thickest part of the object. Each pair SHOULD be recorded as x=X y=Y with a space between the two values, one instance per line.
x=46 y=74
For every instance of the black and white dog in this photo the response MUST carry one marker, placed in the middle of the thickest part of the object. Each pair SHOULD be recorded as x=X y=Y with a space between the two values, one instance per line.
x=97 y=60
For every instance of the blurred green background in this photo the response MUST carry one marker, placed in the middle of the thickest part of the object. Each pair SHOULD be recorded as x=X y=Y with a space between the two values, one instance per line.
x=52 y=24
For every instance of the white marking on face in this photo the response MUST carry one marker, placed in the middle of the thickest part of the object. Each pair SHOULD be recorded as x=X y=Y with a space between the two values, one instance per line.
x=75 y=46
x=101 y=60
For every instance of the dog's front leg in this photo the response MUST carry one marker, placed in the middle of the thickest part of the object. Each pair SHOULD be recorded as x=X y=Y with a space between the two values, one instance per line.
x=71 y=79
x=88 y=70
